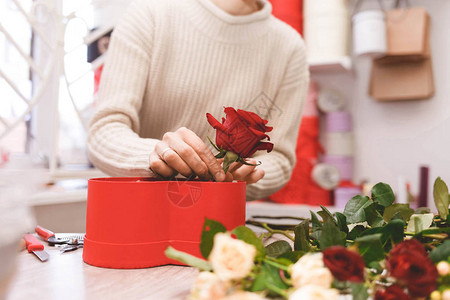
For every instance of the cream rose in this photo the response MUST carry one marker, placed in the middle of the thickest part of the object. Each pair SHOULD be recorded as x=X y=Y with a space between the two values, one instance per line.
x=310 y=270
x=314 y=292
x=208 y=286
x=231 y=258
x=241 y=295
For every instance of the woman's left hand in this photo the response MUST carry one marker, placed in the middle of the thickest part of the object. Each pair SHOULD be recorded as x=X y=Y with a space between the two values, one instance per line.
x=241 y=172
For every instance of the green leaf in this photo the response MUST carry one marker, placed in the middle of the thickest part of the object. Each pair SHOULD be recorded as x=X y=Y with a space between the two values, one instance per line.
x=331 y=236
x=392 y=233
x=326 y=214
x=356 y=232
x=269 y=275
x=210 y=228
x=404 y=210
x=354 y=209
x=383 y=194
x=441 y=252
x=441 y=197
x=342 y=222
x=433 y=230
x=370 y=247
x=419 y=222
x=316 y=225
x=278 y=248
x=292 y=256
x=247 y=235
x=301 y=241
x=359 y=291
x=422 y=210
x=373 y=217
x=187 y=259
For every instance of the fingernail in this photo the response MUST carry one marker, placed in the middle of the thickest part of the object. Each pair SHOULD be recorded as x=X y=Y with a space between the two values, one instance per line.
x=219 y=176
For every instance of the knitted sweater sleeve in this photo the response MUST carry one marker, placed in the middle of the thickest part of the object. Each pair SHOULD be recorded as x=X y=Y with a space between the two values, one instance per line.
x=113 y=143
x=285 y=117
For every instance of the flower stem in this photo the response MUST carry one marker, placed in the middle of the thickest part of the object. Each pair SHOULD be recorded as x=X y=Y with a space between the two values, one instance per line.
x=275 y=264
x=273 y=231
x=277 y=290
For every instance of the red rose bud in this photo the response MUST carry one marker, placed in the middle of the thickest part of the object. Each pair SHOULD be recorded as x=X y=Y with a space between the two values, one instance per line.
x=393 y=292
x=241 y=132
x=345 y=265
x=409 y=263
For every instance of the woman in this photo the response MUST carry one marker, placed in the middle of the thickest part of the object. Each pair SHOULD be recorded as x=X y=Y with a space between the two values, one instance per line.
x=170 y=62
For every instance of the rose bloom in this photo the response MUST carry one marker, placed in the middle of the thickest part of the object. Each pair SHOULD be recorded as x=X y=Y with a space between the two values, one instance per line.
x=241 y=132
x=393 y=292
x=314 y=292
x=208 y=286
x=309 y=269
x=241 y=295
x=409 y=263
x=446 y=294
x=231 y=258
x=345 y=265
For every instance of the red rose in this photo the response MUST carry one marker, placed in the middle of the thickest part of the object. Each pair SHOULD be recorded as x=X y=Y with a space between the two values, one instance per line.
x=409 y=263
x=241 y=132
x=345 y=265
x=393 y=292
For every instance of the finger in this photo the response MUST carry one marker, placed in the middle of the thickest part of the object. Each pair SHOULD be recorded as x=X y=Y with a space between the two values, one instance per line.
x=172 y=159
x=159 y=167
x=213 y=167
x=228 y=177
x=255 y=176
x=234 y=166
x=243 y=171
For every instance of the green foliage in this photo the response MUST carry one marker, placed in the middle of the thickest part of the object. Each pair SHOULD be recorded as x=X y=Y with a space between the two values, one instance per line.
x=187 y=259
x=210 y=228
x=247 y=235
x=278 y=248
x=359 y=291
x=383 y=194
x=267 y=277
x=354 y=209
x=301 y=232
x=403 y=209
x=441 y=252
x=441 y=197
x=371 y=248
x=331 y=235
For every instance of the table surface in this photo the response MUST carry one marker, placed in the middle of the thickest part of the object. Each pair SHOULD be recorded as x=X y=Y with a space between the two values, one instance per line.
x=66 y=276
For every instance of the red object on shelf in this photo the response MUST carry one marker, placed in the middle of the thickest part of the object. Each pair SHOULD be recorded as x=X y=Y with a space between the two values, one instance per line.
x=289 y=11
x=132 y=220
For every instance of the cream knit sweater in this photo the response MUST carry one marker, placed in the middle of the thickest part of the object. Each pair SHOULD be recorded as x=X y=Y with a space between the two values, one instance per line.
x=172 y=61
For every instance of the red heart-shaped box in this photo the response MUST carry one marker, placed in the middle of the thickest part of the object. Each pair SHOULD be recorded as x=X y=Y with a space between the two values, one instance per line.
x=132 y=220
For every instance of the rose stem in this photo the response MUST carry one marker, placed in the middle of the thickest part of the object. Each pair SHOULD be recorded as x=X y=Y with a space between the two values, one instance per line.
x=274 y=231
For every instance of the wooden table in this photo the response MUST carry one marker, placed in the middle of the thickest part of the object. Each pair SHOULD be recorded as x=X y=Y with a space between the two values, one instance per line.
x=65 y=276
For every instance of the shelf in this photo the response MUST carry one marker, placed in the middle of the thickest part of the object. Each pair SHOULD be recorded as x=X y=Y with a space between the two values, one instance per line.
x=343 y=64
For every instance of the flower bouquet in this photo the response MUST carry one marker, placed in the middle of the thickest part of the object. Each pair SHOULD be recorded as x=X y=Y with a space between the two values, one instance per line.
x=374 y=249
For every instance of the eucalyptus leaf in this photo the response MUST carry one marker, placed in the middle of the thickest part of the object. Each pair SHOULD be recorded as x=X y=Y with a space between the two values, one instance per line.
x=440 y=253
x=354 y=209
x=278 y=248
x=210 y=229
x=419 y=222
x=382 y=193
x=404 y=210
x=370 y=247
x=441 y=197
x=331 y=236
x=187 y=259
x=247 y=235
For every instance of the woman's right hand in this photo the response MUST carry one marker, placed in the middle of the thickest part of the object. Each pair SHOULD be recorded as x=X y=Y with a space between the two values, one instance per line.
x=182 y=151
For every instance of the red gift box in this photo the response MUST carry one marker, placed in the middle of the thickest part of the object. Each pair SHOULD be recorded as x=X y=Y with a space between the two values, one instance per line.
x=131 y=220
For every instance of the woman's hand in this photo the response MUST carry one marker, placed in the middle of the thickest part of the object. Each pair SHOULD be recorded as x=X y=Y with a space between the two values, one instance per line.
x=184 y=152
x=249 y=174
